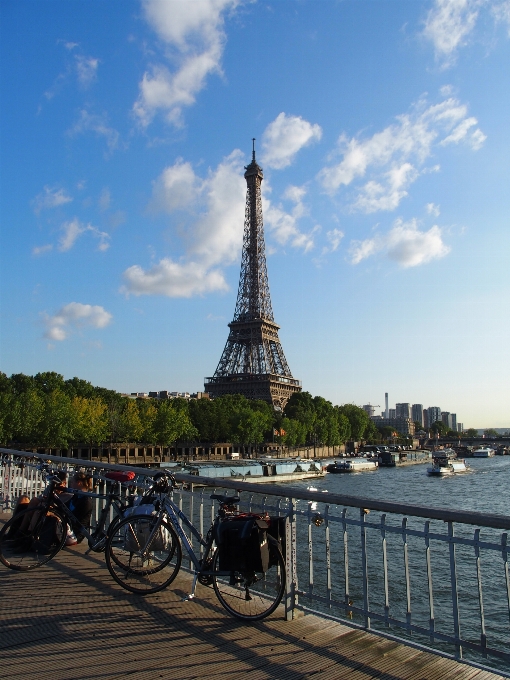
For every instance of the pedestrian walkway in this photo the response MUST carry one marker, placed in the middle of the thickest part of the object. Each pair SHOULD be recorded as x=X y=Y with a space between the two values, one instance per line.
x=69 y=620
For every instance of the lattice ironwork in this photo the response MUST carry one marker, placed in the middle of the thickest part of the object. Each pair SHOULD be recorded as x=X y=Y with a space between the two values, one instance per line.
x=253 y=362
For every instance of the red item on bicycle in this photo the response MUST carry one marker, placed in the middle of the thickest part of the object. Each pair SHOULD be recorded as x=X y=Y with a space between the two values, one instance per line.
x=120 y=476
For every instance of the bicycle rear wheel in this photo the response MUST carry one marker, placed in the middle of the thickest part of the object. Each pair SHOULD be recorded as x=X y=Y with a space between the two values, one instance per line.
x=255 y=595
x=43 y=537
x=143 y=554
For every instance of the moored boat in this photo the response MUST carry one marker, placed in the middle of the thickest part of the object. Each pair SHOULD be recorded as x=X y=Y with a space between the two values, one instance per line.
x=483 y=452
x=263 y=470
x=352 y=465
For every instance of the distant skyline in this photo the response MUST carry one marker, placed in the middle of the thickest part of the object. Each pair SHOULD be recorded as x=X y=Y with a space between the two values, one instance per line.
x=382 y=129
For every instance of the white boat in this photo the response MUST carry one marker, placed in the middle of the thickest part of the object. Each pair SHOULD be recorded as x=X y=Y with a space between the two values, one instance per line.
x=459 y=465
x=444 y=465
x=440 y=468
x=483 y=452
x=353 y=465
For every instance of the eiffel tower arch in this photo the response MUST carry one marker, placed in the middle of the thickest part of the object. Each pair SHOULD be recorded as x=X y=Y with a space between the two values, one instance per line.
x=253 y=362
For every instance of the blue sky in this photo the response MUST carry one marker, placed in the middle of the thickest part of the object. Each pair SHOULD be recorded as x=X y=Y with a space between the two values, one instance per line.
x=383 y=131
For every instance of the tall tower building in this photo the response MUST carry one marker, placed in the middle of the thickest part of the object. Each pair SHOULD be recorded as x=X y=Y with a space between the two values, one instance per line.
x=403 y=410
x=253 y=362
x=434 y=415
x=417 y=411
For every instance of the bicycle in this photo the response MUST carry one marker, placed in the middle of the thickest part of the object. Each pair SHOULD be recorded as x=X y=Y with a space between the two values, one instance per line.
x=47 y=524
x=144 y=554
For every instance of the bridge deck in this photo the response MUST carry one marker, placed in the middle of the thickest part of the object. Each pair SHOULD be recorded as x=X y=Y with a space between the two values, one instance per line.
x=70 y=621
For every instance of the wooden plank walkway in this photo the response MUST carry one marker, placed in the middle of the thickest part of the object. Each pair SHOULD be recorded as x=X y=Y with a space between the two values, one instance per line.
x=69 y=620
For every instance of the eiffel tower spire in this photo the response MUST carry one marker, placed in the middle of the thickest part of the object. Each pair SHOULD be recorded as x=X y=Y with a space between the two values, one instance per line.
x=253 y=362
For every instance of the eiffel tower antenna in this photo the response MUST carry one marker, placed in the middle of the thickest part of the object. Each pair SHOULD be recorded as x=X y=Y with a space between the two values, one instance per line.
x=253 y=362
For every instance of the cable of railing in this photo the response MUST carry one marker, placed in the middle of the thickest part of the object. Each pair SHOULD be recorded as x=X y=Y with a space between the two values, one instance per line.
x=443 y=514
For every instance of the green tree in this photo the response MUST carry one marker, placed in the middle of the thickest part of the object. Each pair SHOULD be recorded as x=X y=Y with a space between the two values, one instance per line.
x=249 y=426
x=295 y=432
x=471 y=432
x=90 y=420
x=6 y=408
x=172 y=424
x=301 y=407
x=130 y=426
x=148 y=413
x=439 y=428
x=358 y=419
x=491 y=432
x=49 y=381
x=22 y=421
x=55 y=428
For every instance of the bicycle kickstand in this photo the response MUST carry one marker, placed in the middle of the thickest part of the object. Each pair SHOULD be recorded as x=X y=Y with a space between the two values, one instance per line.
x=191 y=596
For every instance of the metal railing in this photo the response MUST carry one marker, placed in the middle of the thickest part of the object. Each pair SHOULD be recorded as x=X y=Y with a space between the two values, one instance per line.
x=432 y=577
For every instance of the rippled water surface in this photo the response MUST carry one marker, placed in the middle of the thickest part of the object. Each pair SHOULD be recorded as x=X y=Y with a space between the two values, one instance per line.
x=485 y=489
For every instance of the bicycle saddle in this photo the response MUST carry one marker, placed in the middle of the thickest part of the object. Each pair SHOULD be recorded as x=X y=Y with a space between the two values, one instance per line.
x=226 y=500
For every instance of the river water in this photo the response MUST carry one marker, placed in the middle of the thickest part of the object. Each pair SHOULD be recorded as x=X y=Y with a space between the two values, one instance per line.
x=486 y=489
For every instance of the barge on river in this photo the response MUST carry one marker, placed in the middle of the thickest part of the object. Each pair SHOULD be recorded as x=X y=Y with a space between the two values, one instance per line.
x=352 y=465
x=257 y=471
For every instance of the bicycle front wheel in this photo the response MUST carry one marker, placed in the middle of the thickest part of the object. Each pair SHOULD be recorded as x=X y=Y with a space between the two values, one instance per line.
x=31 y=538
x=143 y=554
x=254 y=595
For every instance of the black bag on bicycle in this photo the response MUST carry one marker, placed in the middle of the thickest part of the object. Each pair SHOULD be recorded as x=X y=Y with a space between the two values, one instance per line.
x=277 y=531
x=242 y=545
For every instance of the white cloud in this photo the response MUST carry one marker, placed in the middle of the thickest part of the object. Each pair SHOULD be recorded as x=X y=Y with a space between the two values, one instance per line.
x=394 y=158
x=105 y=199
x=50 y=198
x=194 y=38
x=89 y=122
x=284 y=137
x=433 y=209
x=82 y=67
x=404 y=243
x=283 y=225
x=448 y=24
x=75 y=316
x=211 y=219
x=475 y=139
x=86 y=69
x=173 y=279
x=334 y=236
x=40 y=250
x=72 y=230
x=501 y=13
x=176 y=188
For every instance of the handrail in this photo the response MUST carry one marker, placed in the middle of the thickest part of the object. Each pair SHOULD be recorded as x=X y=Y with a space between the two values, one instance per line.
x=444 y=514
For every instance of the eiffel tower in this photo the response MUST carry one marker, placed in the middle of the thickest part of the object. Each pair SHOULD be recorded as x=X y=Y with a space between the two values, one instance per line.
x=253 y=362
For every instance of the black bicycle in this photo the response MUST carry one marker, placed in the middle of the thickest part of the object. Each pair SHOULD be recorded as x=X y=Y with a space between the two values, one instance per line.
x=241 y=557
x=45 y=527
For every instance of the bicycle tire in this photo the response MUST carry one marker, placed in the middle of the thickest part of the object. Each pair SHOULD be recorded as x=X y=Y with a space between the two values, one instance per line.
x=251 y=597
x=36 y=547
x=98 y=538
x=134 y=564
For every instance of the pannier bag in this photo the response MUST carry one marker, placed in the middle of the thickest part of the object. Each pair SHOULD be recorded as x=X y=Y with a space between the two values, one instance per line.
x=277 y=531
x=137 y=533
x=242 y=545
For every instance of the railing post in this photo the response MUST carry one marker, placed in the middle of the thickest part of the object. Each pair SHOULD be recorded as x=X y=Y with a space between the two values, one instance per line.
x=328 y=555
x=310 y=553
x=432 y=623
x=406 y=569
x=346 y=562
x=455 y=594
x=483 y=636
x=385 y=571
x=504 y=554
x=364 y=567
x=291 y=598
